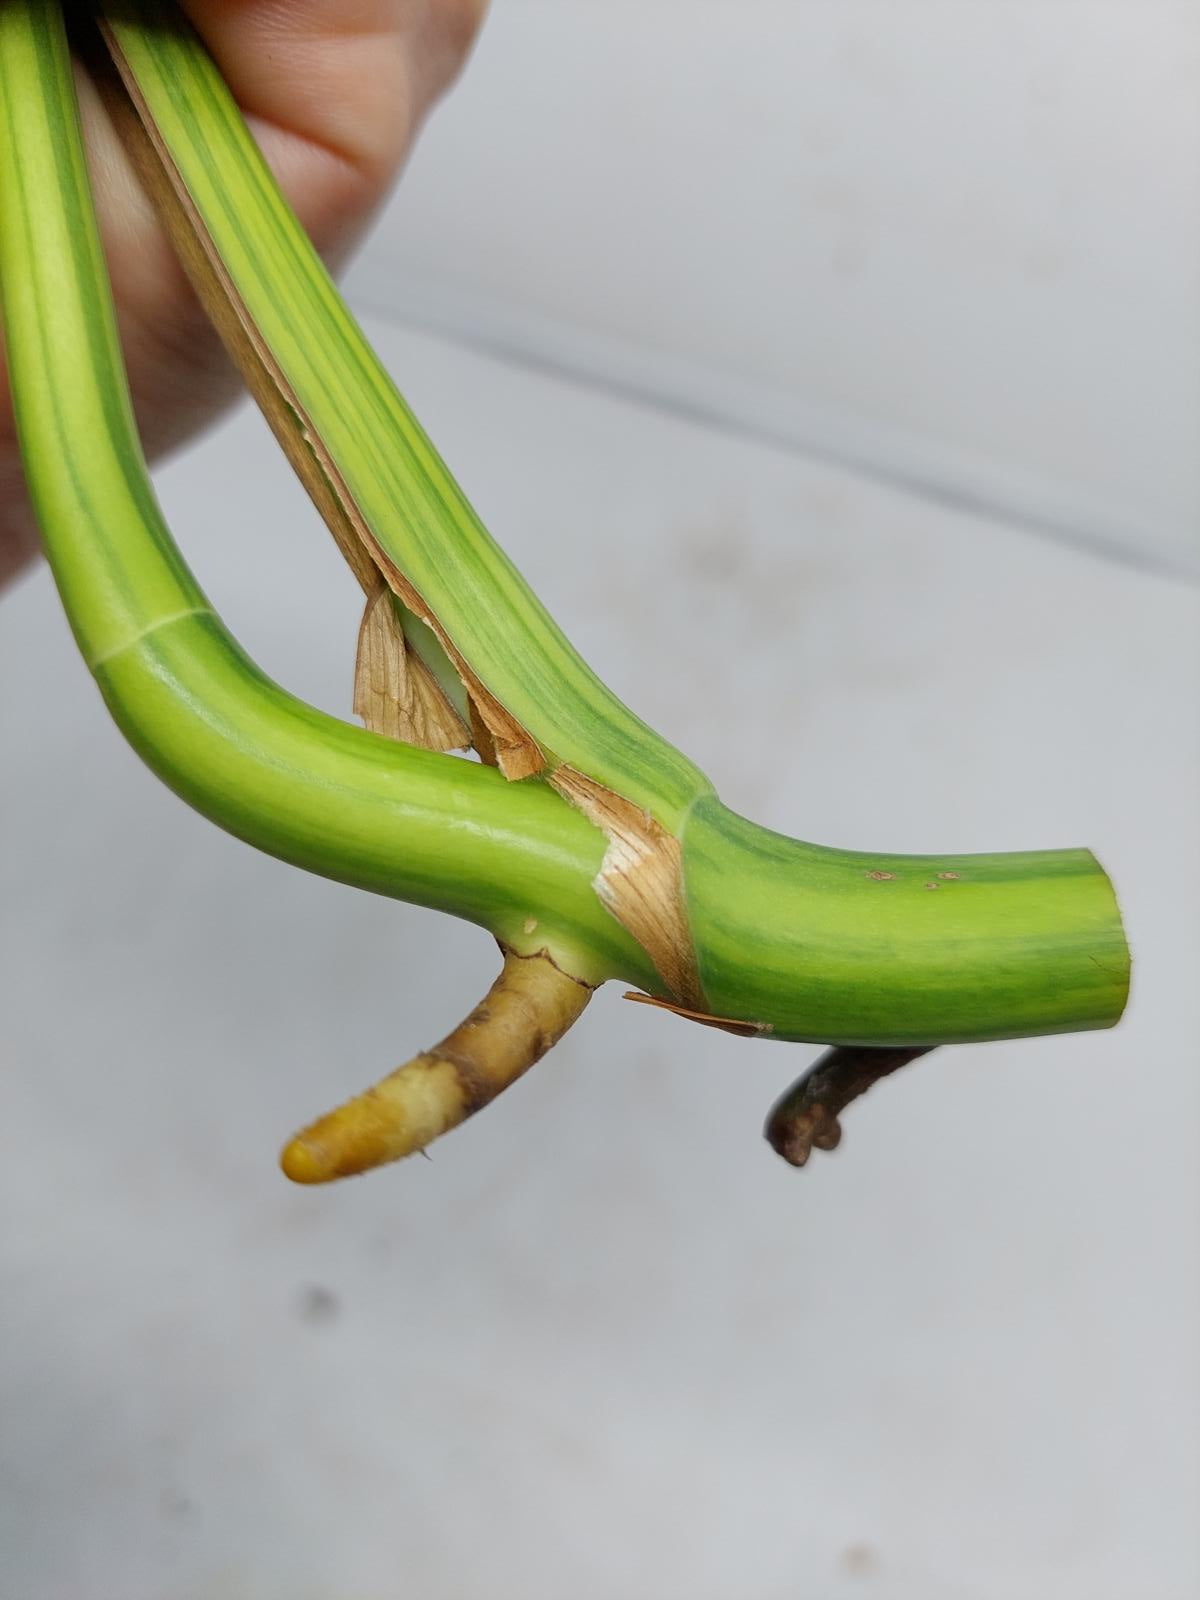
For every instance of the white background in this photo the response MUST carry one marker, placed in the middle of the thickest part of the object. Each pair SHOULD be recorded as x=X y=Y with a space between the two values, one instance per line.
x=605 y=1344
x=956 y=241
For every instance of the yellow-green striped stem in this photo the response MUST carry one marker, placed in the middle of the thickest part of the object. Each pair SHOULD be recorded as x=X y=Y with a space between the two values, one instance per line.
x=793 y=940
x=343 y=396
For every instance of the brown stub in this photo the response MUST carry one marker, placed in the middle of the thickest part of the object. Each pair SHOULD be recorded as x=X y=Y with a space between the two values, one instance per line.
x=517 y=752
x=806 y=1117
x=395 y=693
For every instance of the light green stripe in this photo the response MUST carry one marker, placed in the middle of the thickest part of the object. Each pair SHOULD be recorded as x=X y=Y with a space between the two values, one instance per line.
x=809 y=940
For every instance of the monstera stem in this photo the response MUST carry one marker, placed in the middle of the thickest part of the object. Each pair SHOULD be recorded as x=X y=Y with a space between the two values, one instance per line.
x=587 y=845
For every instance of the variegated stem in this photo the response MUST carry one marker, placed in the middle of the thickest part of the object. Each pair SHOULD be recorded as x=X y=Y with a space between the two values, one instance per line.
x=613 y=856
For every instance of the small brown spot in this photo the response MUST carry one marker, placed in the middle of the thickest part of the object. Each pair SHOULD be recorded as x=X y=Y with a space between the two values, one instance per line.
x=860 y=1560
x=931 y=885
x=881 y=877
x=175 y=1504
x=318 y=1304
x=475 y=1088
x=539 y=1042
x=949 y=876
x=530 y=924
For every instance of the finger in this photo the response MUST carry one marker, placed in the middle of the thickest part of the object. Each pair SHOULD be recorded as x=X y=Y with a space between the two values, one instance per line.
x=336 y=89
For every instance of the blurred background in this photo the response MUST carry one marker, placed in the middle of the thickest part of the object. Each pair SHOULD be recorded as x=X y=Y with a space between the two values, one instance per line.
x=831 y=369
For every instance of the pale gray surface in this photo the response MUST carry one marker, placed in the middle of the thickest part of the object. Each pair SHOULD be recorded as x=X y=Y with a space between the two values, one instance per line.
x=956 y=241
x=605 y=1344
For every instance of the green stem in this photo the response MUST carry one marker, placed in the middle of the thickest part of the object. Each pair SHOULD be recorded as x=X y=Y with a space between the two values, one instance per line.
x=839 y=946
x=802 y=942
x=343 y=400
x=296 y=783
x=806 y=1117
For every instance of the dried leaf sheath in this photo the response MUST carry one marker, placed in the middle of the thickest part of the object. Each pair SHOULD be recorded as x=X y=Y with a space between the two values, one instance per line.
x=395 y=693
x=640 y=881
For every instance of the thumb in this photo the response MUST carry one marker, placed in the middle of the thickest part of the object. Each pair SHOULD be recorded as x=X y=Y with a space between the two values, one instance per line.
x=337 y=89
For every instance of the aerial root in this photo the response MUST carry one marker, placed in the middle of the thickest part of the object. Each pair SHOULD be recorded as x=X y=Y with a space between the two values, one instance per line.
x=526 y=1011
x=806 y=1117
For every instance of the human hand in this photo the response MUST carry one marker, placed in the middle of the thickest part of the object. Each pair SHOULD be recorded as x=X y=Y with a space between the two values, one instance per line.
x=335 y=92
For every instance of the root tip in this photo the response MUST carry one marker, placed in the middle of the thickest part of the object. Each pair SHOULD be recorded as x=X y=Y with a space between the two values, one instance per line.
x=304 y=1161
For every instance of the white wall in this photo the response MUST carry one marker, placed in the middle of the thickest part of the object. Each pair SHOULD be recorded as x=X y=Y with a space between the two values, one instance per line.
x=604 y=1344
x=954 y=241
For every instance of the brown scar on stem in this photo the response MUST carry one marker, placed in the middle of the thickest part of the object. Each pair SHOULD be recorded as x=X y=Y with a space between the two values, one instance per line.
x=806 y=1117
x=949 y=876
x=640 y=880
x=745 y=1030
x=526 y=1011
x=881 y=877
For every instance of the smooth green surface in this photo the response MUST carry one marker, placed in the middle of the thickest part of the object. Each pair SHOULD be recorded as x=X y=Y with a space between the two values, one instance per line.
x=806 y=938
x=927 y=950
x=403 y=488
x=401 y=821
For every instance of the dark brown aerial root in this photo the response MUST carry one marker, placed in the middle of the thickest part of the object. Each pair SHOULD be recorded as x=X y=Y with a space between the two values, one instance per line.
x=806 y=1117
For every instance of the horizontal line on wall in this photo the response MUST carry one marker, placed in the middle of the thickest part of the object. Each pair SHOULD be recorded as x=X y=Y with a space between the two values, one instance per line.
x=732 y=403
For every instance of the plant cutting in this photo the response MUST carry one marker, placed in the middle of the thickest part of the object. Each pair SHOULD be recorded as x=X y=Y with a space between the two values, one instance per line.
x=585 y=844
